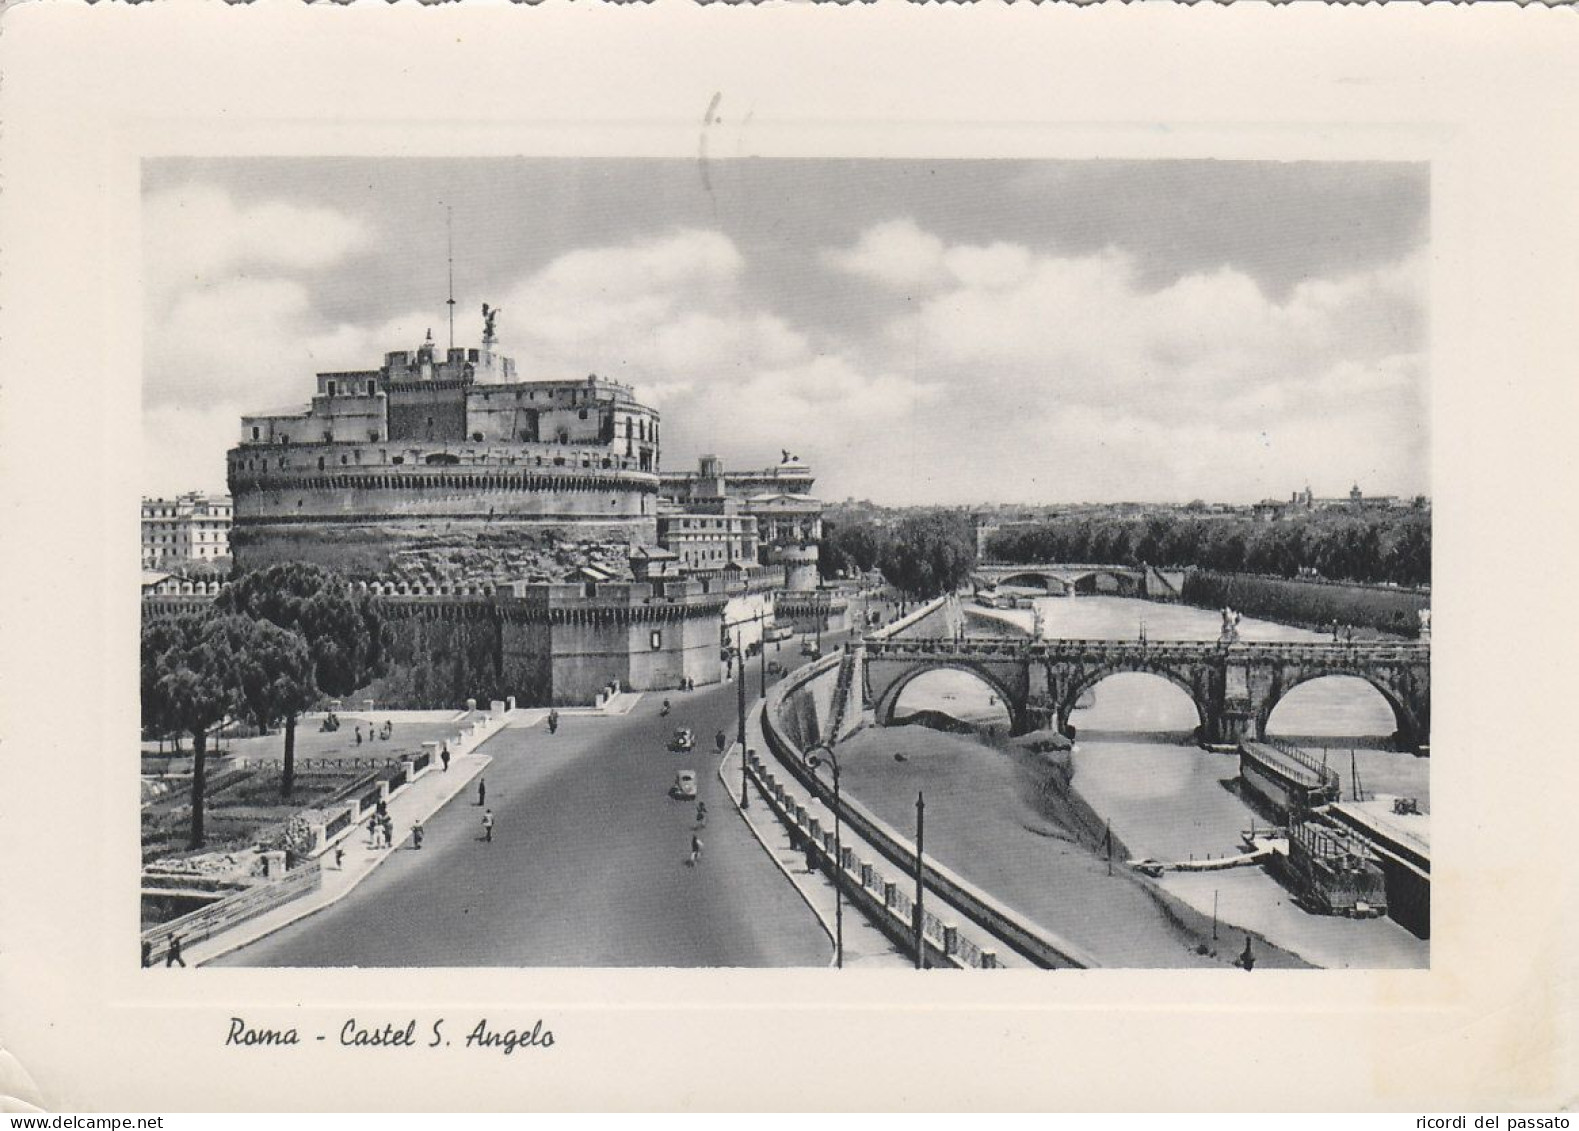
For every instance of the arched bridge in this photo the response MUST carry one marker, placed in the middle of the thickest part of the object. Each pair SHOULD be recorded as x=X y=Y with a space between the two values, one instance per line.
x=1062 y=580
x=1234 y=686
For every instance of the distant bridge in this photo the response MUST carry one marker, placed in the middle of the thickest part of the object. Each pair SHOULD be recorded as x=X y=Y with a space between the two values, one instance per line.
x=1234 y=686
x=1061 y=580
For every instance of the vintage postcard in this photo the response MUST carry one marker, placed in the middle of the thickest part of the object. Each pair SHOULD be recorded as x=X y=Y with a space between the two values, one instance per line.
x=675 y=537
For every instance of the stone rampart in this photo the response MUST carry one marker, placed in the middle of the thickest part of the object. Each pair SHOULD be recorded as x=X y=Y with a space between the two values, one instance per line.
x=358 y=546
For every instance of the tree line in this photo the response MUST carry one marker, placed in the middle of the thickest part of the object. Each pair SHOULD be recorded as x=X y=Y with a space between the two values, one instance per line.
x=273 y=643
x=1371 y=547
x=923 y=555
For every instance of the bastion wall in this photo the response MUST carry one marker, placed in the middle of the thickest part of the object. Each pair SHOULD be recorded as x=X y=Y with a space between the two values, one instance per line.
x=362 y=548
x=548 y=645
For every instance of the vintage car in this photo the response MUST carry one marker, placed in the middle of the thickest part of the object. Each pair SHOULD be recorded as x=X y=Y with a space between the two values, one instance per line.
x=682 y=741
x=684 y=787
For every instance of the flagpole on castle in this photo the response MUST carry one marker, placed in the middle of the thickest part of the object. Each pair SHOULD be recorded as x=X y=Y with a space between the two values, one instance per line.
x=449 y=227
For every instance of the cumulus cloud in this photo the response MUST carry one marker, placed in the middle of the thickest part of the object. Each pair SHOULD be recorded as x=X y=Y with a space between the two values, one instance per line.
x=671 y=314
x=1015 y=372
x=895 y=253
x=196 y=234
x=1141 y=379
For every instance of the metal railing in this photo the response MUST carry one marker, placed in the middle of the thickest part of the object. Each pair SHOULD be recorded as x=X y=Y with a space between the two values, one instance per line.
x=861 y=877
x=221 y=915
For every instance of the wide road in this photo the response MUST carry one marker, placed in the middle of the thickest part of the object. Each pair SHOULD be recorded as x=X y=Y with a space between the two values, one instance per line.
x=587 y=866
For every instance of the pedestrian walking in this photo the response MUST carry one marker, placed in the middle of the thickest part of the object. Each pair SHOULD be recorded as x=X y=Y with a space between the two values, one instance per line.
x=389 y=831
x=444 y=756
x=482 y=790
x=721 y=740
x=372 y=831
x=359 y=734
x=701 y=813
x=148 y=954
x=696 y=850
x=172 y=957
x=487 y=825
x=339 y=857
x=416 y=834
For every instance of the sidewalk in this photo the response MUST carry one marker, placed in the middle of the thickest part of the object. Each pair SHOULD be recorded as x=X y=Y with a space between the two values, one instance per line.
x=864 y=945
x=936 y=905
x=418 y=801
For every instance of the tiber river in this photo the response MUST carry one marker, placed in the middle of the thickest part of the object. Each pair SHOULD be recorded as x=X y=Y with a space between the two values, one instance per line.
x=1136 y=767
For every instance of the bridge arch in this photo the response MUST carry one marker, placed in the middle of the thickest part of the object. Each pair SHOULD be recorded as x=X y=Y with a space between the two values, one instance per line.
x=1025 y=579
x=1087 y=681
x=883 y=709
x=1410 y=730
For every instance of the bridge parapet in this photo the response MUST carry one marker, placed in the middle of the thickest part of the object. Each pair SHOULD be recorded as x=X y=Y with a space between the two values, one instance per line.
x=974 y=647
x=1234 y=686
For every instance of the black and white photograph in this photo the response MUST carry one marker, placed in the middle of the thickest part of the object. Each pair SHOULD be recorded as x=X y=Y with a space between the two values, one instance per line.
x=637 y=577
x=787 y=558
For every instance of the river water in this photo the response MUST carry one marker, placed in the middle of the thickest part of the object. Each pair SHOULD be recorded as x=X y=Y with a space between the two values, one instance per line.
x=1164 y=797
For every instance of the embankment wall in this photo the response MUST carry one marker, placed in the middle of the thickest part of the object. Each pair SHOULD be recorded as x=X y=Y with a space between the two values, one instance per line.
x=1309 y=604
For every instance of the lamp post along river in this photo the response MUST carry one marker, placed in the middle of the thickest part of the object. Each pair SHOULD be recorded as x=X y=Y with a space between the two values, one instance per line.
x=838 y=852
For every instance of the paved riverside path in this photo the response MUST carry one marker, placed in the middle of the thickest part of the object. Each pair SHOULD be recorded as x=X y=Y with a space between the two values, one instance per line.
x=865 y=946
x=587 y=865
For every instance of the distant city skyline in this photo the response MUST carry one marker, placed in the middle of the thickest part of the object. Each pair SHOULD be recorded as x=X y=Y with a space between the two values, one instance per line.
x=947 y=332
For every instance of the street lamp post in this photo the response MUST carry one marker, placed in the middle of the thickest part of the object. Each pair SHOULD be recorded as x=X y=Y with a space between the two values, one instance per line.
x=740 y=695
x=838 y=854
x=762 y=655
x=740 y=702
x=920 y=921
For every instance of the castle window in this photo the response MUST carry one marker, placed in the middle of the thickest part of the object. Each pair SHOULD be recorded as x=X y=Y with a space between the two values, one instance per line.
x=582 y=414
x=477 y=437
x=331 y=388
x=255 y=432
x=344 y=460
x=656 y=640
x=372 y=387
x=320 y=463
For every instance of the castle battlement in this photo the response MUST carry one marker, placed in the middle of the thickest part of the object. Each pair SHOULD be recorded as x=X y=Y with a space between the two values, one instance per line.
x=449 y=445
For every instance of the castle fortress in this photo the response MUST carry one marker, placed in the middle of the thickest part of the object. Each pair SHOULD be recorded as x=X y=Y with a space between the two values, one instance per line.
x=456 y=445
x=499 y=519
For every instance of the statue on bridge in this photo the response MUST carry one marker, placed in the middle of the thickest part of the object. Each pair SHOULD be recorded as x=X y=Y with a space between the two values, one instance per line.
x=1230 y=633
x=1425 y=626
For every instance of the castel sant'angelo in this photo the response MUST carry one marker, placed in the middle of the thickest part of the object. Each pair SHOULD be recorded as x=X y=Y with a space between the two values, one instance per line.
x=520 y=531
x=453 y=445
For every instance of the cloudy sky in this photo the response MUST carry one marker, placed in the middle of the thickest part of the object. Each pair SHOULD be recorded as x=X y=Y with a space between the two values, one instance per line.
x=920 y=331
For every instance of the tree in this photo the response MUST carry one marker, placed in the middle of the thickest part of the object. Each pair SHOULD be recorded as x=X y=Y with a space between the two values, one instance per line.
x=191 y=679
x=852 y=547
x=346 y=635
x=929 y=554
x=275 y=677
